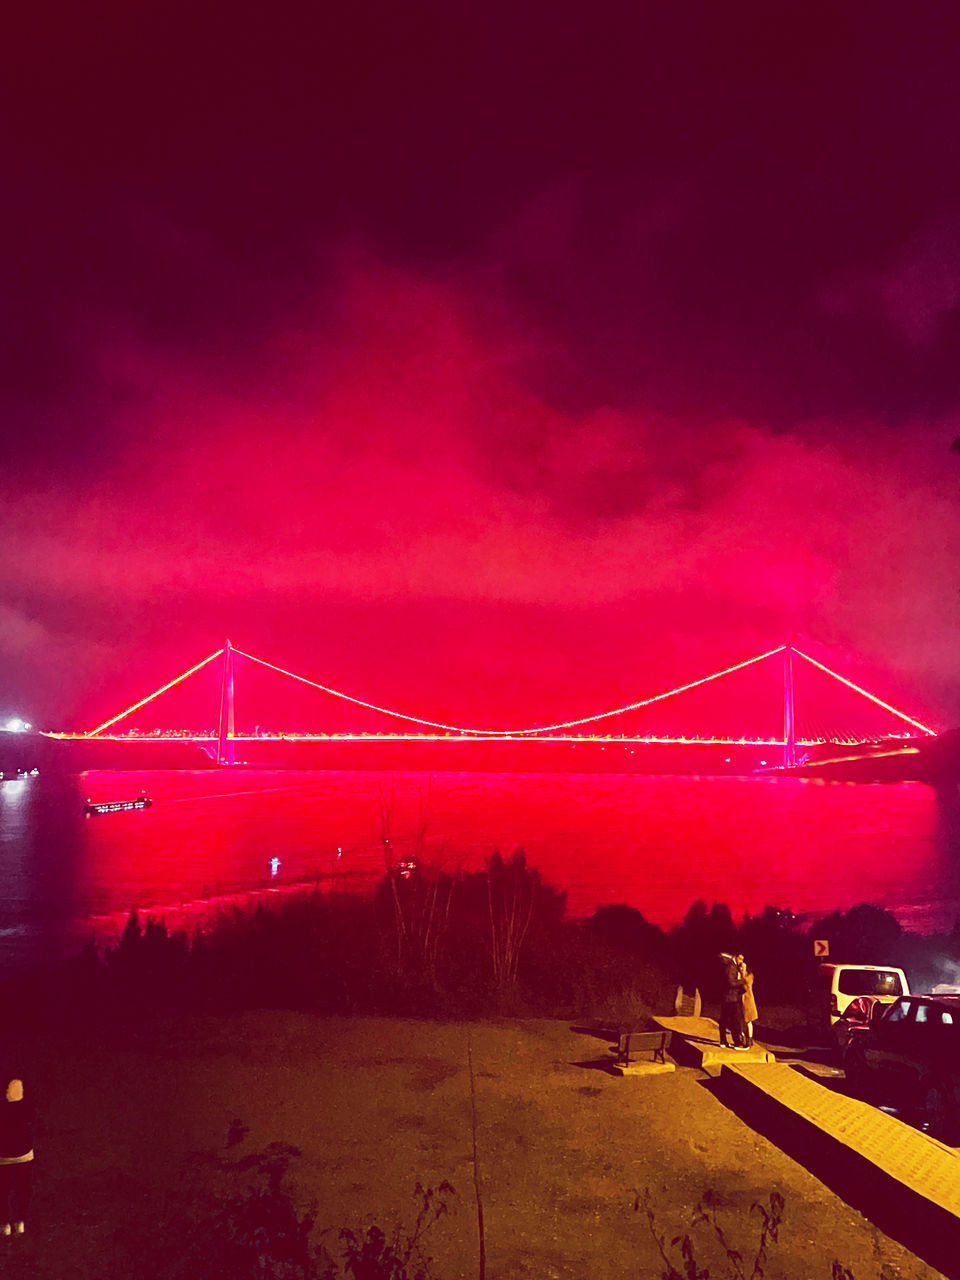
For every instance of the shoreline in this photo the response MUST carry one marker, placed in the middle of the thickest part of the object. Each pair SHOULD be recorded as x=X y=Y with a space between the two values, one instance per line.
x=655 y=844
x=194 y=915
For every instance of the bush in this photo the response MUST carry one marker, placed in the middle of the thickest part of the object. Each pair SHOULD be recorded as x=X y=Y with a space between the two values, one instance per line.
x=239 y=1216
x=430 y=944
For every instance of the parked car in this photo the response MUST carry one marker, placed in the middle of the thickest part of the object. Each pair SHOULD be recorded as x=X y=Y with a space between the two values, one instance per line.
x=835 y=985
x=910 y=1055
x=854 y=1020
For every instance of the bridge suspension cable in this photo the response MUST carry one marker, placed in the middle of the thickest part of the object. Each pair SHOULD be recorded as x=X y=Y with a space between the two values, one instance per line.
x=864 y=693
x=527 y=732
x=370 y=706
x=150 y=696
x=517 y=733
x=658 y=697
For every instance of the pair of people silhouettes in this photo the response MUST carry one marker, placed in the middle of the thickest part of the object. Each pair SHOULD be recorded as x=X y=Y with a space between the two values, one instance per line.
x=16 y=1159
x=738 y=1009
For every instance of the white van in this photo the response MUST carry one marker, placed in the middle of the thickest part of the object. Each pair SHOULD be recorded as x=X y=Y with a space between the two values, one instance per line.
x=835 y=985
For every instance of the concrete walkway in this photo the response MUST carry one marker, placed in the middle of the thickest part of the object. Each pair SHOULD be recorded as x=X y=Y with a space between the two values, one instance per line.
x=904 y=1180
x=901 y=1179
x=696 y=1042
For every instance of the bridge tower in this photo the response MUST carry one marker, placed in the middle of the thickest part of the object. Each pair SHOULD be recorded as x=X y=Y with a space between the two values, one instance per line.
x=226 y=751
x=789 y=710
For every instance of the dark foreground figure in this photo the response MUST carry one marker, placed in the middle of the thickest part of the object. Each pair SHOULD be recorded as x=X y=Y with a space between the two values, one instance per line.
x=16 y=1159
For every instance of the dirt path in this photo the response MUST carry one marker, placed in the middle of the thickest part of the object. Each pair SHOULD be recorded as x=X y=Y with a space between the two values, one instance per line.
x=376 y=1105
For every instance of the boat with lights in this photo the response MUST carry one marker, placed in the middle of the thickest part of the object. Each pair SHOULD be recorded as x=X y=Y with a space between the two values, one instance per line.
x=117 y=806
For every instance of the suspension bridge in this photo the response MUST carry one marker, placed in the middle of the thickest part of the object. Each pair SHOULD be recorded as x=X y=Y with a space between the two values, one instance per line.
x=784 y=701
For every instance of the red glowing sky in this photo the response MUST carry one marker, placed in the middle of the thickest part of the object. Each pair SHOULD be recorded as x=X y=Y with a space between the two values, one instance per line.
x=479 y=363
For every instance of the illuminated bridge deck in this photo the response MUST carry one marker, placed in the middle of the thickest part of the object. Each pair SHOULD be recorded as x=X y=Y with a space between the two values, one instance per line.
x=761 y=702
x=905 y=1181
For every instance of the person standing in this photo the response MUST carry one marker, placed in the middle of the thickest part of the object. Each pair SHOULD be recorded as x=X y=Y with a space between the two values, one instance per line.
x=16 y=1159
x=749 y=1002
x=732 y=1024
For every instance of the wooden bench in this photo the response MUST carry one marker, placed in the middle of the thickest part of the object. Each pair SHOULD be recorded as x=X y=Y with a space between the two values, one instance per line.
x=654 y=1042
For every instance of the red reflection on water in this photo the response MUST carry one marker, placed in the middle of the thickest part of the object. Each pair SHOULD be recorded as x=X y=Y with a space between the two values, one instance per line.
x=657 y=843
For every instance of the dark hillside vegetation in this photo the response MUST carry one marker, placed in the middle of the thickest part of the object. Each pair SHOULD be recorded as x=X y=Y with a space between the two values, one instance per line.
x=490 y=942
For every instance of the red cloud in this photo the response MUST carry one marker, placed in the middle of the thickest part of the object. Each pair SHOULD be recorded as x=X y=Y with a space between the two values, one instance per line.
x=395 y=453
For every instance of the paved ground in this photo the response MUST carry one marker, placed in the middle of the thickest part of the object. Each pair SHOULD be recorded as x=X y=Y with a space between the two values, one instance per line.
x=377 y=1104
